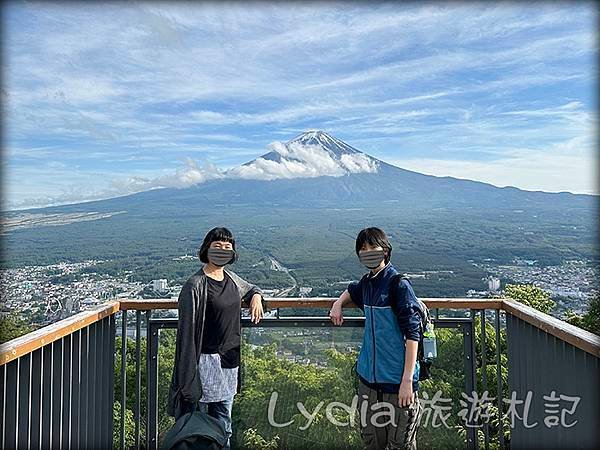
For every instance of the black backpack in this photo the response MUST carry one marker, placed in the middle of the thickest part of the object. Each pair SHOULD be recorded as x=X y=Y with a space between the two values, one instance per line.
x=424 y=363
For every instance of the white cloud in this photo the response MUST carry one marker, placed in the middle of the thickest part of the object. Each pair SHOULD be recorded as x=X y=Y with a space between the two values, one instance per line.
x=563 y=167
x=356 y=163
x=300 y=160
x=188 y=175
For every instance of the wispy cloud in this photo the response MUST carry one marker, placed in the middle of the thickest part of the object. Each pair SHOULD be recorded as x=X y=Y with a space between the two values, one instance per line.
x=188 y=174
x=563 y=167
x=134 y=88
x=294 y=160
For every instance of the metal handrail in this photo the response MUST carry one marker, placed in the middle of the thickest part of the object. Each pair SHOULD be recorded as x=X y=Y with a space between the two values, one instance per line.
x=30 y=342
x=577 y=337
x=22 y=345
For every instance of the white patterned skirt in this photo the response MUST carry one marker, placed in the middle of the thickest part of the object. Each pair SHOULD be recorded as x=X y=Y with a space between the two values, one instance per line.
x=218 y=384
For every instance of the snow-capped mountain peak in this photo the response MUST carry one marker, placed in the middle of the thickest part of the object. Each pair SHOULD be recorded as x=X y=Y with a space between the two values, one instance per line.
x=313 y=153
x=328 y=142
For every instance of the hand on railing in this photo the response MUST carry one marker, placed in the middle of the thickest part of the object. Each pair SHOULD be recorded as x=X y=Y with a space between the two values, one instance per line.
x=335 y=314
x=256 y=309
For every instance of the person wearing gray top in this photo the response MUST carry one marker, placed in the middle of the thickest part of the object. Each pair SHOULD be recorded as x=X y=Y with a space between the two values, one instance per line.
x=211 y=300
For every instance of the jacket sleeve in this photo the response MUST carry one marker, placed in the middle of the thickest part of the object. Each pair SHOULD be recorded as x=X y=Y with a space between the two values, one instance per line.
x=408 y=315
x=355 y=291
x=188 y=379
x=247 y=290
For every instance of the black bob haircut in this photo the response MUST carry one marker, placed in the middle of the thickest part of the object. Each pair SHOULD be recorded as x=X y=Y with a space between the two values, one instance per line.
x=374 y=237
x=216 y=234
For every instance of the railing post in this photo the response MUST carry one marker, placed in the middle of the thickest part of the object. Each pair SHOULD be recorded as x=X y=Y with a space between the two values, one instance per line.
x=23 y=391
x=469 y=354
x=499 y=381
x=102 y=398
x=148 y=317
x=93 y=386
x=123 y=374
x=84 y=390
x=486 y=427
x=66 y=383
x=111 y=375
x=36 y=402
x=152 y=388
x=55 y=427
x=10 y=413
x=138 y=375
x=75 y=389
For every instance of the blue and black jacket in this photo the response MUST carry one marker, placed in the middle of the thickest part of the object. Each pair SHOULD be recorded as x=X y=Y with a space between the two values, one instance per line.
x=381 y=358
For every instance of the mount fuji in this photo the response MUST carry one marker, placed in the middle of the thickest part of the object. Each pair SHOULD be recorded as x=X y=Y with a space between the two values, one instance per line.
x=315 y=169
x=314 y=153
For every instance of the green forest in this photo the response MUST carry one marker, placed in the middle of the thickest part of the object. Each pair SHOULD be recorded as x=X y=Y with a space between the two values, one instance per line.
x=315 y=244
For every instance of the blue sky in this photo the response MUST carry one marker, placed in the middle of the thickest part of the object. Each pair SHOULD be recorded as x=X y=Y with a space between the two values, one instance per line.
x=109 y=99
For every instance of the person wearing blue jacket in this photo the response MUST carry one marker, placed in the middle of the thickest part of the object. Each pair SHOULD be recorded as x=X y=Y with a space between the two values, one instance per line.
x=387 y=364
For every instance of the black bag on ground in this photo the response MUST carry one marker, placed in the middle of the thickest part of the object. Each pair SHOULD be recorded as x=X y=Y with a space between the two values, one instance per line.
x=195 y=430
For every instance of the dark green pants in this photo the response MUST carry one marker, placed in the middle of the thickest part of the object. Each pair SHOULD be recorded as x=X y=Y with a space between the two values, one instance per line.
x=384 y=424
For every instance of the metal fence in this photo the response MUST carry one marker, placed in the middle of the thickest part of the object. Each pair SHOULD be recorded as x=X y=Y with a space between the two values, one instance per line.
x=61 y=395
x=558 y=384
x=58 y=383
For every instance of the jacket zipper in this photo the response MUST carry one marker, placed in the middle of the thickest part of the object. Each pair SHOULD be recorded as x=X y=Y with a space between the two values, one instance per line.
x=374 y=346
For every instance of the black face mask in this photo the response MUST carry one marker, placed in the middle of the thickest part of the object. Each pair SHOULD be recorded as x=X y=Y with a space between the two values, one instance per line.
x=220 y=256
x=371 y=258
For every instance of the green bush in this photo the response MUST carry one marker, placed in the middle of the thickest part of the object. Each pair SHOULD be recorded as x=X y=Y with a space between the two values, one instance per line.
x=531 y=296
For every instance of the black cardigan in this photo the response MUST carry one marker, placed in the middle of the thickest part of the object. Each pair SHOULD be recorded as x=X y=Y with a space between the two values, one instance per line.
x=185 y=390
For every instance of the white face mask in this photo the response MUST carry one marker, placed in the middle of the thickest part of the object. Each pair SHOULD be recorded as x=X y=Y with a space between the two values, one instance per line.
x=220 y=256
x=371 y=258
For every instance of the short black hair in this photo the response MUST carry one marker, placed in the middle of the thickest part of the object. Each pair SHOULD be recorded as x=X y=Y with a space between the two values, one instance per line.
x=375 y=237
x=216 y=234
